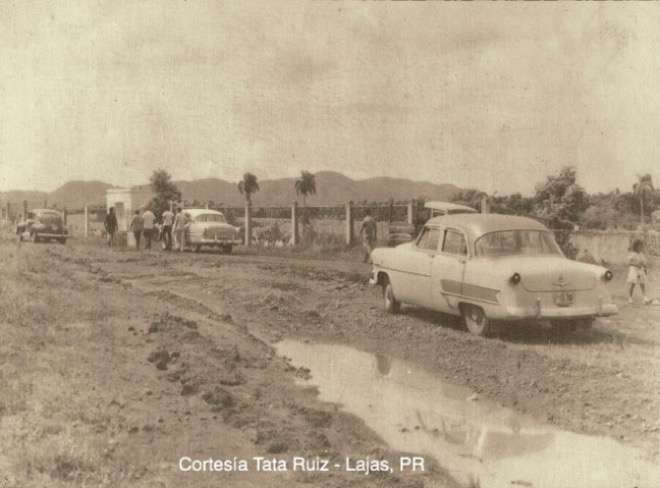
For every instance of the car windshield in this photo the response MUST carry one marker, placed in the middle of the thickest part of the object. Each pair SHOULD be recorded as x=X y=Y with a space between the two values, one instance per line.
x=517 y=243
x=210 y=218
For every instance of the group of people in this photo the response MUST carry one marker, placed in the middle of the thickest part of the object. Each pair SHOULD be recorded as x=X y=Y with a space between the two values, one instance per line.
x=171 y=229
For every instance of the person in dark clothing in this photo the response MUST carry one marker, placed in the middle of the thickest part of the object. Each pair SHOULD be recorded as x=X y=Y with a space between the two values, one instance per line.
x=111 y=226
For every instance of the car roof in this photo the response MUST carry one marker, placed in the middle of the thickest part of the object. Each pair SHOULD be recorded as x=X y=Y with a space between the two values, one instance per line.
x=479 y=224
x=194 y=212
x=448 y=207
x=44 y=210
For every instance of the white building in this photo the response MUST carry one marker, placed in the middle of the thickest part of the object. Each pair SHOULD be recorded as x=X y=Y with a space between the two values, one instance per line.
x=125 y=202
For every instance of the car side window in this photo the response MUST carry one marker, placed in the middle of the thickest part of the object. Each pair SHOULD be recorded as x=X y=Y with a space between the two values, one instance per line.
x=454 y=243
x=429 y=239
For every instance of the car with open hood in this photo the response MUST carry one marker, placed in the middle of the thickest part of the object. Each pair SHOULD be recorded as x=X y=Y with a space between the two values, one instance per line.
x=42 y=224
x=210 y=228
x=490 y=267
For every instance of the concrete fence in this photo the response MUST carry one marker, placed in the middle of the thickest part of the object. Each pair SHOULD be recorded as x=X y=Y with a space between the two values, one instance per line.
x=614 y=246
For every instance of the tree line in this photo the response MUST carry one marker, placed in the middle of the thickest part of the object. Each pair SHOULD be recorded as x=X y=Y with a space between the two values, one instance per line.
x=560 y=202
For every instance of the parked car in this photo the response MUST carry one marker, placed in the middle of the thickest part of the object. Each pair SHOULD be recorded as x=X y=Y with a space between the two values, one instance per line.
x=210 y=228
x=42 y=225
x=404 y=232
x=446 y=208
x=488 y=267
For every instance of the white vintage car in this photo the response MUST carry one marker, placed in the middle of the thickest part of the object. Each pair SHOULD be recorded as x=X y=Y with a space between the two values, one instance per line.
x=210 y=228
x=489 y=267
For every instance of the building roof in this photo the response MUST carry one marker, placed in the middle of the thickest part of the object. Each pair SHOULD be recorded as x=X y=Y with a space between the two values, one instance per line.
x=479 y=224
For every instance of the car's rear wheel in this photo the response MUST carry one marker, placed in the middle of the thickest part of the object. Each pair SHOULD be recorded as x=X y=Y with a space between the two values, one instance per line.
x=198 y=248
x=475 y=320
x=226 y=248
x=391 y=304
x=61 y=240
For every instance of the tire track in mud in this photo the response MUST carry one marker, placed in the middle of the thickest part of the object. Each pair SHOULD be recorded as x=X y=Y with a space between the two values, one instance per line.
x=589 y=397
x=222 y=369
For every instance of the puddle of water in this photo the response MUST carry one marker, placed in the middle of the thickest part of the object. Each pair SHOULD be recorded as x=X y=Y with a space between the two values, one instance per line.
x=414 y=411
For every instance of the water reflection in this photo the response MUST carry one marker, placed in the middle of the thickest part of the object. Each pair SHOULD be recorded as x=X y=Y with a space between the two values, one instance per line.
x=414 y=411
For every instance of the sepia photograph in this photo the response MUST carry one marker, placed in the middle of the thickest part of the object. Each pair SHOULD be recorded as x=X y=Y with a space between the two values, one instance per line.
x=360 y=244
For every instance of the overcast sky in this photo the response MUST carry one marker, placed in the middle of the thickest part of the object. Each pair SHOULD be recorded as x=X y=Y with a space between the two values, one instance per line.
x=482 y=95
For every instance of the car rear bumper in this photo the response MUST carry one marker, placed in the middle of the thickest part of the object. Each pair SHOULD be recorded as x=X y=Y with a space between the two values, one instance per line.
x=52 y=235
x=540 y=312
x=214 y=242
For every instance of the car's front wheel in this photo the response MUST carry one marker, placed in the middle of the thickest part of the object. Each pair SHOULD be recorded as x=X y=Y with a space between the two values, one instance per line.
x=475 y=320
x=34 y=237
x=226 y=249
x=391 y=304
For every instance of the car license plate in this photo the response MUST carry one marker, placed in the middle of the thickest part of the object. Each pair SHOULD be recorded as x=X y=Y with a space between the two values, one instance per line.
x=564 y=299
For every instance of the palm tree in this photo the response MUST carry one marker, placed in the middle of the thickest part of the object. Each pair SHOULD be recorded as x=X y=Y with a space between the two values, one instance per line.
x=305 y=186
x=248 y=186
x=642 y=189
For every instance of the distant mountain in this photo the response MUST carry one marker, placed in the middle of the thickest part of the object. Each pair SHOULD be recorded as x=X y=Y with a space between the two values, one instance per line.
x=75 y=194
x=72 y=195
x=35 y=199
x=332 y=188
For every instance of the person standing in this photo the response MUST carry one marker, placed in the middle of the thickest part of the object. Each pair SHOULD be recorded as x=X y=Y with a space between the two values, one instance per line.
x=111 y=225
x=148 y=219
x=637 y=272
x=137 y=226
x=368 y=231
x=180 y=228
x=168 y=221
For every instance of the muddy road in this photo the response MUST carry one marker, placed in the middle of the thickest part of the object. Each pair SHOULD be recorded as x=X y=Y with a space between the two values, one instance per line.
x=119 y=363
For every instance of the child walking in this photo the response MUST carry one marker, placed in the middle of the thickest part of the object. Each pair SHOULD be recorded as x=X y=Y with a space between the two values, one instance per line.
x=637 y=274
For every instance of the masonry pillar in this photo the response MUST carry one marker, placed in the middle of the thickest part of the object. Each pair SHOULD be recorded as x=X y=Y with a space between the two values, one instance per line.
x=349 y=223
x=248 y=223
x=295 y=239
x=411 y=212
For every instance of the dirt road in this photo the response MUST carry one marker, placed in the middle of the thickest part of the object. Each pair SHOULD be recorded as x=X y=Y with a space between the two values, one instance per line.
x=116 y=364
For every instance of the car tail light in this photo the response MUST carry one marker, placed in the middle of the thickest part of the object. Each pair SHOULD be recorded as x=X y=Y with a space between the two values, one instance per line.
x=608 y=275
x=515 y=278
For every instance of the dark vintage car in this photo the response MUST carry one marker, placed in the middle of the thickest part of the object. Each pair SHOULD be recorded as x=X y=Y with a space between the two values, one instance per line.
x=42 y=225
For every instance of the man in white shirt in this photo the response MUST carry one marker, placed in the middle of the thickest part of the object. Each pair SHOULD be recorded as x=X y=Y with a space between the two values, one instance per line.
x=148 y=218
x=168 y=222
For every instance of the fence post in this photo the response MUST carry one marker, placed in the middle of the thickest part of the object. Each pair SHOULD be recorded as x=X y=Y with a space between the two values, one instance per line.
x=294 y=224
x=25 y=209
x=86 y=223
x=485 y=204
x=65 y=215
x=411 y=212
x=8 y=212
x=349 y=223
x=248 y=223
